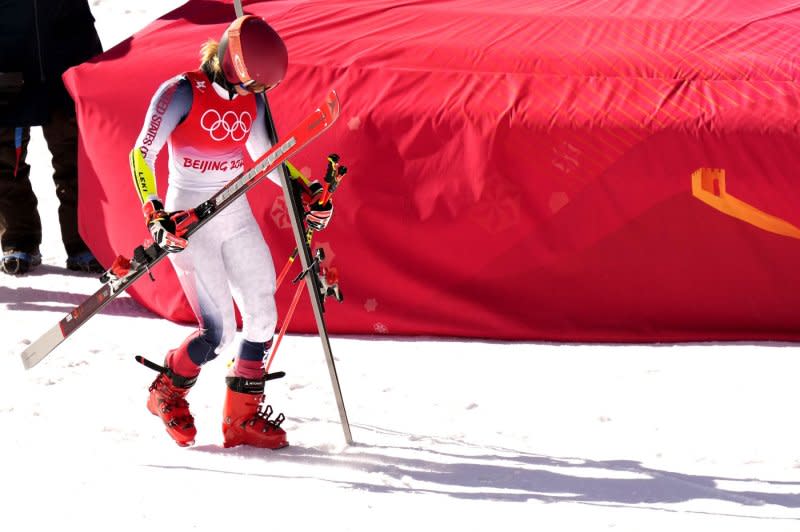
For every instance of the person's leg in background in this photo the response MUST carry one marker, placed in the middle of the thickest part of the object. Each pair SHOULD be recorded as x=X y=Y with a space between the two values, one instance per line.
x=20 y=225
x=61 y=134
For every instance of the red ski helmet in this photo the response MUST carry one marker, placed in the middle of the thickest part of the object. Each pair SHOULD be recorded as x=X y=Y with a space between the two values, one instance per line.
x=252 y=53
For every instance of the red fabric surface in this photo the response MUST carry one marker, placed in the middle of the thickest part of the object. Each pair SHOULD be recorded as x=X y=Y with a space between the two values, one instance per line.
x=517 y=171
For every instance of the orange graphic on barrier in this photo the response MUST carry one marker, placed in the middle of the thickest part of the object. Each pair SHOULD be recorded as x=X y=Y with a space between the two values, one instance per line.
x=708 y=185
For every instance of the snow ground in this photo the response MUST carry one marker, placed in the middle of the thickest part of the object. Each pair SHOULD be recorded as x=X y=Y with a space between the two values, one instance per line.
x=451 y=435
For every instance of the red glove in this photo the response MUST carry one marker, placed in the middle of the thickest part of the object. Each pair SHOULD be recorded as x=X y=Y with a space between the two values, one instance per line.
x=318 y=216
x=311 y=193
x=162 y=227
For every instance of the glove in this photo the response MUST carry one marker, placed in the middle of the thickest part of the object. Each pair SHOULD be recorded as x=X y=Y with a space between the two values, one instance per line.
x=311 y=193
x=162 y=226
x=318 y=216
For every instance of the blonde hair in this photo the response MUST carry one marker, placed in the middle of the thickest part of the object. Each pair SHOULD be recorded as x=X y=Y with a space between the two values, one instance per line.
x=208 y=58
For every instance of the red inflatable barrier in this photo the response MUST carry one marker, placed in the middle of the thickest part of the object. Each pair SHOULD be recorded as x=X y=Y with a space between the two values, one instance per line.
x=579 y=171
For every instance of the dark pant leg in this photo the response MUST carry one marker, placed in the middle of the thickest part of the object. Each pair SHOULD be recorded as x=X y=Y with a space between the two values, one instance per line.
x=61 y=134
x=20 y=226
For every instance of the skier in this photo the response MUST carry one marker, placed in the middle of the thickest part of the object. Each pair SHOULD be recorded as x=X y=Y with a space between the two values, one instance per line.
x=207 y=117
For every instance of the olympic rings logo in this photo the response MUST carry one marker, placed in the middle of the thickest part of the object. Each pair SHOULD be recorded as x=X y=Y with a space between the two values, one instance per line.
x=229 y=124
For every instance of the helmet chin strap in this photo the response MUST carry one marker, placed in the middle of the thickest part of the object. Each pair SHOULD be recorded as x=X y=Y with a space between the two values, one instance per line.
x=219 y=78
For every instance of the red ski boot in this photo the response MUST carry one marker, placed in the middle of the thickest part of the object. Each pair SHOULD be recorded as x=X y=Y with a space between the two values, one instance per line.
x=167 y=401
x=244 y=423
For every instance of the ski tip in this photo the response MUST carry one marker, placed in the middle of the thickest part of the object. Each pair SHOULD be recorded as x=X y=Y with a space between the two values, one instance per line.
x=30 y=358
x=38 y=350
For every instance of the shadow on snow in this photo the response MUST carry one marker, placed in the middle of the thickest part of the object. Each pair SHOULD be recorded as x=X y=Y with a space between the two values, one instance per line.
x=513 y=476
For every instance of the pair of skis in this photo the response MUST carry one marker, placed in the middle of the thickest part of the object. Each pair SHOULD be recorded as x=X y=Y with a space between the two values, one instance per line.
x=125 y=272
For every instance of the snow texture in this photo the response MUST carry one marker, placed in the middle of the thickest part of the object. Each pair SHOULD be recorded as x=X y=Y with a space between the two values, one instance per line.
x=450 y=435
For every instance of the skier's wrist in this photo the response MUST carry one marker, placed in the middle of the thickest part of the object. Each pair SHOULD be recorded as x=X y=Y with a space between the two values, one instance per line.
x=153 y=209
x=312 y=192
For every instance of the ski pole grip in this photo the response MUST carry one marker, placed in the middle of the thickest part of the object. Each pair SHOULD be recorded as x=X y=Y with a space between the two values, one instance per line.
x=333 y=176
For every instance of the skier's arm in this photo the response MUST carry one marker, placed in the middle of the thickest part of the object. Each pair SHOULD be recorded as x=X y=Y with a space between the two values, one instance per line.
x=169 y=107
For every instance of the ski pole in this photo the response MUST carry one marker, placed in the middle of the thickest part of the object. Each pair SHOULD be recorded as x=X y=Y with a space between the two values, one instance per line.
x=330 y=288
x=333 y=178
x=295 y=299
x=289 y=263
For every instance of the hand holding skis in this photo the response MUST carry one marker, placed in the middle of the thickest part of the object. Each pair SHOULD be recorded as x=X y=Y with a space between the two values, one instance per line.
x=162 y=226
x=317 y=200
x=319 y=215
